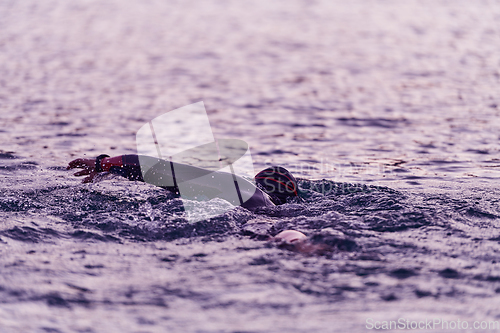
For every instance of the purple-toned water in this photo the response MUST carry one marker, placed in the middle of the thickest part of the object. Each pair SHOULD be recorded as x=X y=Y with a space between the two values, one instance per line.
x=389 y=110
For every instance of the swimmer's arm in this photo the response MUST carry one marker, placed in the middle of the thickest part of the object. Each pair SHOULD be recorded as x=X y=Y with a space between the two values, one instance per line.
x=123 y=165
x=128 y=166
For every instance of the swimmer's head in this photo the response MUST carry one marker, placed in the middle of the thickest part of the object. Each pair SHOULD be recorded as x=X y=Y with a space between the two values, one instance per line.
x=278 y=182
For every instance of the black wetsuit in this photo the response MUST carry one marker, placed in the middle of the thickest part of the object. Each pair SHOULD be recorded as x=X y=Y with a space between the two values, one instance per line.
x=192 y=182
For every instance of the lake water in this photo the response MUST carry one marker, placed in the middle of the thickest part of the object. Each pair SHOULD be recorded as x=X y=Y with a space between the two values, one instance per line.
x=389 y=111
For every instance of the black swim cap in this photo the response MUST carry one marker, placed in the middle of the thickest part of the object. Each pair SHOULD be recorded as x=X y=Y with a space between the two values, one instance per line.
x=278 y=182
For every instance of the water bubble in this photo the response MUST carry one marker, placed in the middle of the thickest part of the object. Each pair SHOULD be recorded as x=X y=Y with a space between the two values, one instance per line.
x=147 y=209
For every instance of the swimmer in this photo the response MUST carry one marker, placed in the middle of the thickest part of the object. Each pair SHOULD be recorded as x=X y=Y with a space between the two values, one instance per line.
x=274 y=184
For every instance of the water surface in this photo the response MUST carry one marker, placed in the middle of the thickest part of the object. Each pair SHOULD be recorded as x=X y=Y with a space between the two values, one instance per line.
x=388 y=110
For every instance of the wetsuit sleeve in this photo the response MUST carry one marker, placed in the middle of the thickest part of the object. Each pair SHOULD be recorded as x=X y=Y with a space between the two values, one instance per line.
x=125 y=165
x=129 y=166
x=161 y=173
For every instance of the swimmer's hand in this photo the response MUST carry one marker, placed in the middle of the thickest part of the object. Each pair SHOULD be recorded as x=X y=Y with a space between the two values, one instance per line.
x=88 y=166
